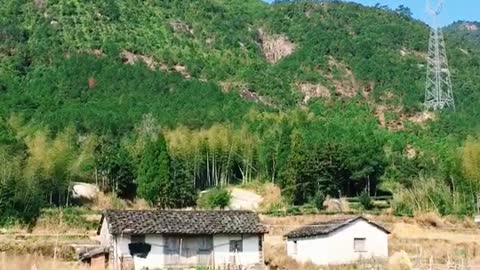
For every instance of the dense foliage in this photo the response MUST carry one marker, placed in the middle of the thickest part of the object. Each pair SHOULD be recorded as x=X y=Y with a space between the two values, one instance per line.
x=217 y=198
x=162 y=99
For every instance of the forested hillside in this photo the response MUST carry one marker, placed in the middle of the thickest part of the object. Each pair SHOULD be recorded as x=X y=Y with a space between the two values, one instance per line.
x=162 y=99
x=469 y=31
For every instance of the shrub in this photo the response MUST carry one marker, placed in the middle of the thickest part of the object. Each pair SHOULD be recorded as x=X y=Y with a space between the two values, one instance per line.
x=309 y=209
x=366 y=201
x=215 y=198
x=318 y=200
x=294 y=211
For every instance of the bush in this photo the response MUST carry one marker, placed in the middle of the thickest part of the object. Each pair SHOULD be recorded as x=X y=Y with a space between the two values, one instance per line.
x=294 y=211
x=366 y=201
x=309 y=209
x=318 y=200
x=215 y=198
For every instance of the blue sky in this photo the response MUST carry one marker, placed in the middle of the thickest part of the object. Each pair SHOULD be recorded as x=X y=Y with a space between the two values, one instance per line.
x=468 y=10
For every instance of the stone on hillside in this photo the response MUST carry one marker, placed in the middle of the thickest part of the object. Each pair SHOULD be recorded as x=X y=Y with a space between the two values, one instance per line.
x=84 y=191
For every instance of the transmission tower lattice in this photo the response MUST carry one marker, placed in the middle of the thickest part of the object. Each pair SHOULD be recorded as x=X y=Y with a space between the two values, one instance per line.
x=439 y=89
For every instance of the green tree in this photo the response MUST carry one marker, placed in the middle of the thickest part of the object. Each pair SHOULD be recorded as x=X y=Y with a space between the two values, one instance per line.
x=184 y=193
x=365 y=200
x=471 y=160
x=154 y=180
x=293 y=183
x=116 y=166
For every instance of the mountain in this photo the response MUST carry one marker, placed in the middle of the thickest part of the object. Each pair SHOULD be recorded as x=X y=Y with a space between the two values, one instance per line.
x=313 y=96
x=465 y=30
x=278 y=56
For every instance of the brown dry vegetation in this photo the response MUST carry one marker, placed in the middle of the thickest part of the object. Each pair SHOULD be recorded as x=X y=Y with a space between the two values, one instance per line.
x=399 y=261
x=34 y=262
x=272 y=197
x=275 y=47
x=109 y=201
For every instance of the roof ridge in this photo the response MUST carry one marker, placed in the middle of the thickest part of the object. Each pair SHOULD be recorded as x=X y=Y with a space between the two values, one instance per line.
x=165 y=221
x=180 y=210
x=327 y=227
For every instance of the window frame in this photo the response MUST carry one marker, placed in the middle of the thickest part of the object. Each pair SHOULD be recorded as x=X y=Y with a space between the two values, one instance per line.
x=357 y=241
x=238 y=244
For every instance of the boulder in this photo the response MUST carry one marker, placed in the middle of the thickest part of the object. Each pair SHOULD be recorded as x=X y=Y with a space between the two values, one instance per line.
x=84 y=191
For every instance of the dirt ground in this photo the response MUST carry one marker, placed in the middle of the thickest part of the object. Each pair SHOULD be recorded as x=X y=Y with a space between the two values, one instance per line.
x=243 y=199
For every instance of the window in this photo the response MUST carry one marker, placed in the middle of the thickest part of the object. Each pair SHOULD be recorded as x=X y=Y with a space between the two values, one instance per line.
x=138 y=247
x=236 y=246
x=360 y=244
x=137 y=238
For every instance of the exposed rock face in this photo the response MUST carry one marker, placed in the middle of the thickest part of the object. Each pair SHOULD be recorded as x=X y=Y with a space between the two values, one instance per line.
x=275 y=47
x=470 y=27
x=130 y=58
x=422 y=117
x=313 y=91
x=183 y=70
x=347 y=86
x=392 y=125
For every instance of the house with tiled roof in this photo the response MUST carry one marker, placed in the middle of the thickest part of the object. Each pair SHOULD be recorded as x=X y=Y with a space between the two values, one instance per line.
x=338 y=241
x=161 y=239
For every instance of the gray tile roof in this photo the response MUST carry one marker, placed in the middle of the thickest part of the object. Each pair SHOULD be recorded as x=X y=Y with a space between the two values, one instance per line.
x=182 y=222
x=326 y=227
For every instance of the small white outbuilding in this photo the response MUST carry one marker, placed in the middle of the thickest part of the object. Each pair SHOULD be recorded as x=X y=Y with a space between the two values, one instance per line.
x=340 y=241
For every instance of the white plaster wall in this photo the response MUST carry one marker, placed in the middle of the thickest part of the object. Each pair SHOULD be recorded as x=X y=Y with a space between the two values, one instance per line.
x=337 y=247
x=250 y=254
x=105 y=237
x=154 y=259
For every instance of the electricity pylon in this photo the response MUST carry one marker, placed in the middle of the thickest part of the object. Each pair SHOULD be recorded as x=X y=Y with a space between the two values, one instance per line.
x=439 y=89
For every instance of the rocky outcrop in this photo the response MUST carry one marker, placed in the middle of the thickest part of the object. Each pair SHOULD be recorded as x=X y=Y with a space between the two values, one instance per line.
x=471 y=27
x=130 y=58
x=346 y=86
x=310 y=91
x=84 y=191
x=275 y=47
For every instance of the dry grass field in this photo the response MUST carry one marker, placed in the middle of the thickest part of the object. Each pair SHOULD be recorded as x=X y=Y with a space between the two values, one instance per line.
x=424 y=236
x=34 y=262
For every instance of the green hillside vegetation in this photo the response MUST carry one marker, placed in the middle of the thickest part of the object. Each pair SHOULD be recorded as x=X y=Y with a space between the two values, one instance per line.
x=469 y=31
x=316 y=97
